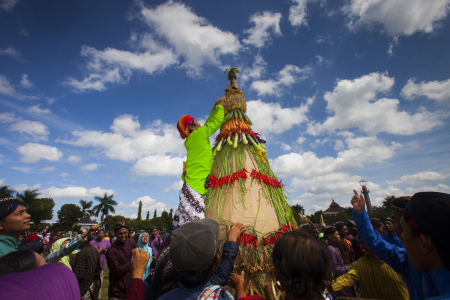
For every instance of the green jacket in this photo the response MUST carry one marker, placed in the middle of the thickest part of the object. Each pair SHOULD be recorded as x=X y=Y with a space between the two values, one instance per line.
x=199 y=154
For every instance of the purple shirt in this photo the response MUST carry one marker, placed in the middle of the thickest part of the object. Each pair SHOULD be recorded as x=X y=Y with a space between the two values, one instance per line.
x=101 y=244
x=155 y=243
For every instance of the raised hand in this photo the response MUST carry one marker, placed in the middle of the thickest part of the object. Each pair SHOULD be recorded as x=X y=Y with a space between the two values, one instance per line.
x=358 y=202
x=234 y=232
x=139 y=262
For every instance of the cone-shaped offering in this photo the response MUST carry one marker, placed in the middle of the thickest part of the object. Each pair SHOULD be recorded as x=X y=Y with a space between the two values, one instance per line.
x=243 y=188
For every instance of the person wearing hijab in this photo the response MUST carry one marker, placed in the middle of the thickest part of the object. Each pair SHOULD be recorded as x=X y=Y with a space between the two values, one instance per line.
x=59 y=251
x=143 y=244
x=50 y=281
x=47 y=251
x=14 y=220
x=102 y=245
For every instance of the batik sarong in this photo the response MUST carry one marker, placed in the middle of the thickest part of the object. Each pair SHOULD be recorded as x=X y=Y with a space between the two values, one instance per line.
x=191 y=207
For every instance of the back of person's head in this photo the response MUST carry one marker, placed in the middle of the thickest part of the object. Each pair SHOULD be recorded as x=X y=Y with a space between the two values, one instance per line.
x=52 y=281
x=428 y=213
x=301 y=264
x=193 y=251
x=17 y=262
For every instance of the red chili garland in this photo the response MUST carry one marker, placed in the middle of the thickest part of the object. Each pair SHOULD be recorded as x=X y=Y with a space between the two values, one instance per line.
x=214 y=182
x=248 y=239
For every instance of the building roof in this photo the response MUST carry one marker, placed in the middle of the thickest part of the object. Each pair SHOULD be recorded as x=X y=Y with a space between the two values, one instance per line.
x=334 y=208
x=86 y=220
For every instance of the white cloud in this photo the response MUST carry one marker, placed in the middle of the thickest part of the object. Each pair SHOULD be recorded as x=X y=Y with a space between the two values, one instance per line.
x=63 y=174
x=148 y=204
x=419 y=178
x=192 y=37
x=74 y=192
x=96 y=81
x=285 y=147
x=358 y=151
x=74 y=158
x=10 y=51
x=272 y=118
x=435 y=90
x=301 y=140
x=255 y=71
x=7 y=89
x=159 y=165
x=36 y=130
x=47 y=169
x=25 y=82
x=354 y=104
x=288 y=76
x=32 y=152
x=298 y=12
x=22 y=187
x=90 y=167
x=129 y=142
x=7 y=117
x=176 y=186
x=397 y=17
x=265 y=23
x=38 y=110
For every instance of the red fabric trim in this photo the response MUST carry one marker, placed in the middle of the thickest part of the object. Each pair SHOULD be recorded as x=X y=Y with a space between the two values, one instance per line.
x=413 y=224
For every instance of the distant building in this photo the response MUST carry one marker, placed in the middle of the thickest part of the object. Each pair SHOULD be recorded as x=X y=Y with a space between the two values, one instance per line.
x=85 y=223
x=333 y=210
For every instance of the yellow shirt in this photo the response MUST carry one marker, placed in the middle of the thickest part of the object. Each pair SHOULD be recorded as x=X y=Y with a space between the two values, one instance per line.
x=378 y=280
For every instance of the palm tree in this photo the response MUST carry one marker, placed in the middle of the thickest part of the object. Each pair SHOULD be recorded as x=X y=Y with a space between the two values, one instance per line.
x=85 y=205
x=6 y=192
x=105 y=207
x=28 y=197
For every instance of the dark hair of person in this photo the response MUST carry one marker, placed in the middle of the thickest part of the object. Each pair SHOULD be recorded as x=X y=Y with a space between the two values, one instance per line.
x=301 y=264
x=339 y=226
x=308 y=228
x=329 y=230
x=376 y=223
x=17 y=262
x=428 y=212
x=192 y=279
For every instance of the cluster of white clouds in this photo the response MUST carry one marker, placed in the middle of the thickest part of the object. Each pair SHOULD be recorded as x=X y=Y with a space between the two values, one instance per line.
x=357 y=104
x=435 y=90
x=285 y=78
x=259 y=35
x=397 y=17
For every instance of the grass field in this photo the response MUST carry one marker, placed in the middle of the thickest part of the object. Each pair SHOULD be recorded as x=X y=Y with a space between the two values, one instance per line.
x=105 y=284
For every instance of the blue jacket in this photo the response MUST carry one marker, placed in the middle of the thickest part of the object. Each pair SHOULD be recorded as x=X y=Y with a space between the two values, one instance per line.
x=420 y=285
x=393 y=239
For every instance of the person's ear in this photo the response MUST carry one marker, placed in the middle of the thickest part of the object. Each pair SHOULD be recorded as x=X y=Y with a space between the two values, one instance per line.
x=428 y=245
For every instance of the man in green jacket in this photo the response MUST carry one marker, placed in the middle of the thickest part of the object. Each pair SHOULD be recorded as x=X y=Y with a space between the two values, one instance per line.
x=198 y=163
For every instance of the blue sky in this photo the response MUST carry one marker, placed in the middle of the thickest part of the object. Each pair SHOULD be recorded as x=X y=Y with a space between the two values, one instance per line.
x=90 y=92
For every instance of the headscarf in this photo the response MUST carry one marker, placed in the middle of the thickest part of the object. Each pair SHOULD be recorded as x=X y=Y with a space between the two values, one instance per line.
x=32 y=237
x=149 y=252
x=8 y=206
x=46 y=239
x=183 y=125
x=53 y=281
x=56 y=246
x=69 y=234
x=428 y=213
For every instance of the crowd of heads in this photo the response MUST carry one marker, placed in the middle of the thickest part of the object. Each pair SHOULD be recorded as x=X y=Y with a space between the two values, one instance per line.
x=300 y=261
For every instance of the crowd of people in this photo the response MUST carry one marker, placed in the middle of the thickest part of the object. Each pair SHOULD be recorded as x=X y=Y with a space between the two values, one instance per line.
x=403 y=257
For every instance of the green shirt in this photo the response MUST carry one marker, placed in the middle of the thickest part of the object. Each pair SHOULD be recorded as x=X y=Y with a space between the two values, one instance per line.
x=8 y=244
x=199 y=153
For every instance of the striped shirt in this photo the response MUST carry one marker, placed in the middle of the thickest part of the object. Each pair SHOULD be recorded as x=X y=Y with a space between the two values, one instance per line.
x=8 y=244
x=378 y=280
x=87 y=268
